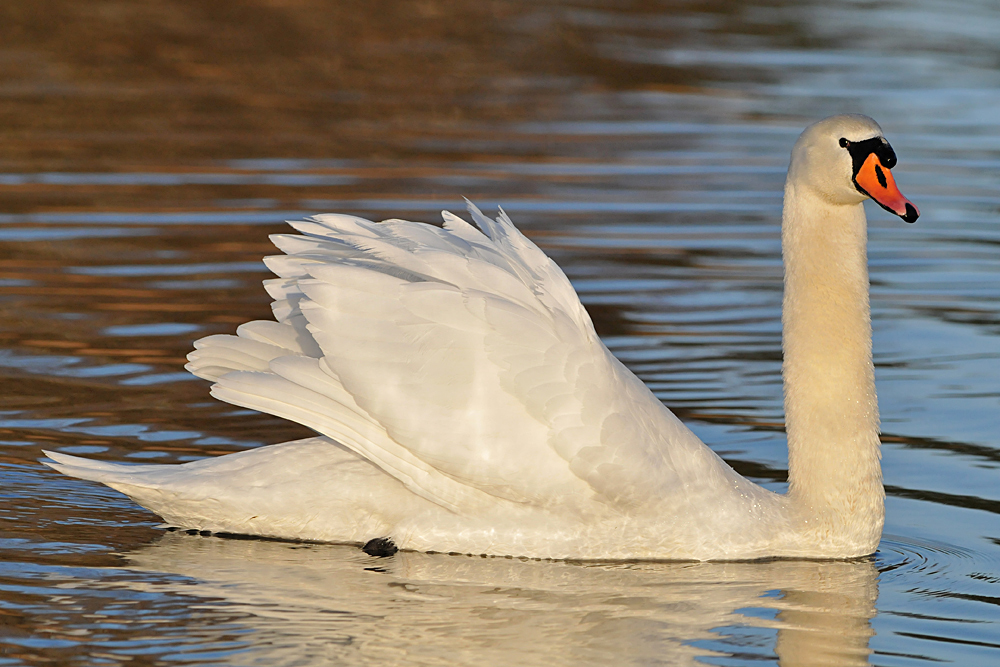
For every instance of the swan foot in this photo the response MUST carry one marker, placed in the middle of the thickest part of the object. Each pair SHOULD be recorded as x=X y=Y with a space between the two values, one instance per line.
x=381 y=547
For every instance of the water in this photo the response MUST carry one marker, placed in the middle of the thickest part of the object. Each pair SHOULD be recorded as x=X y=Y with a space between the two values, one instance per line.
x=150 y=150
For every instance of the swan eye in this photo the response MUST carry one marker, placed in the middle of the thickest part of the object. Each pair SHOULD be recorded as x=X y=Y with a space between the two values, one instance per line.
x=844 y=143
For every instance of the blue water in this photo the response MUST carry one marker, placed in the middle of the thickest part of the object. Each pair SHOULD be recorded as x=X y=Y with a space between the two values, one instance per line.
x=644 y=148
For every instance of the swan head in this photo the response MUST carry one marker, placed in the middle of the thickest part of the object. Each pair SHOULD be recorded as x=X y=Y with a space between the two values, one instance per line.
x=846 y=160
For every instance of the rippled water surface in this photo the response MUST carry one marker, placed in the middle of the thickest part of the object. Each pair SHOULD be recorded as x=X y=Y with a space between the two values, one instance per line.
x=148 y=149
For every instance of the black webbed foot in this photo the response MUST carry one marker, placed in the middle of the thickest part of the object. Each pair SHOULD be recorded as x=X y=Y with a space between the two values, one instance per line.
x=380 y=547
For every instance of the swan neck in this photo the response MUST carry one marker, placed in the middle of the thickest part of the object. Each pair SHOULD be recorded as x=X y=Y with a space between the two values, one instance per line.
x=831 y=410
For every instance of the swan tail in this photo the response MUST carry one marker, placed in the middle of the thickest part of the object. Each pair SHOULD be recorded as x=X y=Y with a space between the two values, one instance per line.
x=156 y=487
x=97 y=471
x=306 y=489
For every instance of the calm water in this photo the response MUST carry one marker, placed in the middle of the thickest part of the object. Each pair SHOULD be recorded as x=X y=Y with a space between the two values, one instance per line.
x=147 y=150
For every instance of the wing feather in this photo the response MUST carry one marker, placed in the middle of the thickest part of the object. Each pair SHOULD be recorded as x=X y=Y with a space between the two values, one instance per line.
x=460 y=362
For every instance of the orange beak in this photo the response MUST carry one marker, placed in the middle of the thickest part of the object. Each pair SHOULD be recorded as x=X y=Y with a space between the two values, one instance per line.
x=876 y=181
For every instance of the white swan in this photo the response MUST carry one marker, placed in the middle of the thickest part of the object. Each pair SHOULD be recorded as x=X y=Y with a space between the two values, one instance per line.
x=466 y=404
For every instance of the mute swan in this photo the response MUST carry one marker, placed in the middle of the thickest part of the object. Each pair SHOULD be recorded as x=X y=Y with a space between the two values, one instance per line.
x=465 y=403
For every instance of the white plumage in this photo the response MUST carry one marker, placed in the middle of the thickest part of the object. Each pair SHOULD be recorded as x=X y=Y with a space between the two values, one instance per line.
x=464 y=404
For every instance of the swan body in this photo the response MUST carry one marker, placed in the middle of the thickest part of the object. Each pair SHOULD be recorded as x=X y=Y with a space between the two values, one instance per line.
x=464 y=402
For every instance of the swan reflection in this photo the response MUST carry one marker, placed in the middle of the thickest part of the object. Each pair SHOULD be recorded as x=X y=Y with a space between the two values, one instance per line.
x=306 y=604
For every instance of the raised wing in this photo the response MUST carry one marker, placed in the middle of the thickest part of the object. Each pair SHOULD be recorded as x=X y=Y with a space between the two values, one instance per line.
x=460 y=362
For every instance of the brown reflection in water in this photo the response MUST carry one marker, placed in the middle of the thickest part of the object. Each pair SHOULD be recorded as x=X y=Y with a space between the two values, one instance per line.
x=104 y=82
x=107 y=83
